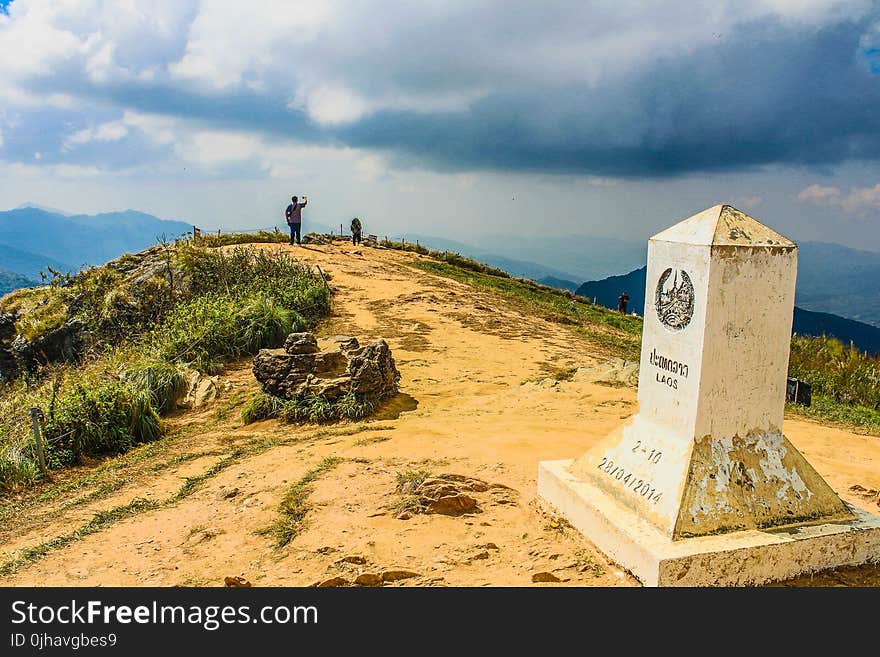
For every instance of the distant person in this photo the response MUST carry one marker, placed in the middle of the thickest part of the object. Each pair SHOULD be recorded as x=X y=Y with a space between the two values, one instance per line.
x=622 y=301
x=293 y=214
x=355 y=231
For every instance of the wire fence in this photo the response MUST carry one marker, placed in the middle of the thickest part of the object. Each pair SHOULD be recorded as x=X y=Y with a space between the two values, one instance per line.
x=198 y=232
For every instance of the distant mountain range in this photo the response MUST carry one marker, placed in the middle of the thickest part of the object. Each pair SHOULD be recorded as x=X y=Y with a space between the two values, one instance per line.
x=496 y=258
x=839 y=280
x=10 y=281
x=33 y=239
x=831 y=278
x=806 y=322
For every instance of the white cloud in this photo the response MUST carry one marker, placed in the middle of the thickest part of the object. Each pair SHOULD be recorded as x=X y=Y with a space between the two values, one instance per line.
x=106 y=132
x=749 y=201
x=854 y=200
x=862 y=198
x=819 y=194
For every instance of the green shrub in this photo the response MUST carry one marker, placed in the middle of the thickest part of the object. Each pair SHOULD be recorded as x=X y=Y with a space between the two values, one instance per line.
x=308 y=408
x=262 y=407
x=99 y=417
x=837 y=371
x=163 y=381
x=18 y=467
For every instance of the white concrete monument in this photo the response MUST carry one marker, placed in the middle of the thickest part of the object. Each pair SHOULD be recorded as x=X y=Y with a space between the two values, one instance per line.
x=701 y=487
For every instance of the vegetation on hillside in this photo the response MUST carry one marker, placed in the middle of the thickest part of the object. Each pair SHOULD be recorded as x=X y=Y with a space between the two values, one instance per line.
x=845 y=381
x=619 y=334
x=139 y=335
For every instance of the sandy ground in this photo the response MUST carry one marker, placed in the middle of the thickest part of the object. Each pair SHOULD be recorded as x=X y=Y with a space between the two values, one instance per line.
x=472 y=402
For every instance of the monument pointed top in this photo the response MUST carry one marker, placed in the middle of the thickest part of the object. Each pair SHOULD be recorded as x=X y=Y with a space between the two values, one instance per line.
x=723 y=225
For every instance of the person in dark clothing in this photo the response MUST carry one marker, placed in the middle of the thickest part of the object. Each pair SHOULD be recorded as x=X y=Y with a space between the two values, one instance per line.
x=622 y=301
x=355 y=231
x=293 y=215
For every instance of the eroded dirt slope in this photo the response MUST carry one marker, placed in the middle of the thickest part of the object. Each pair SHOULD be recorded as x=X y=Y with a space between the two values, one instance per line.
x=474 y=401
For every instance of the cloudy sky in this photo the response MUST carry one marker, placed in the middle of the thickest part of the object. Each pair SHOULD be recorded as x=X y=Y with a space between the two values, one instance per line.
x=448 y=117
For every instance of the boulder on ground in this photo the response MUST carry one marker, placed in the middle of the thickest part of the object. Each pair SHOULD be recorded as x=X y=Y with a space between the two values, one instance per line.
x=300 y=368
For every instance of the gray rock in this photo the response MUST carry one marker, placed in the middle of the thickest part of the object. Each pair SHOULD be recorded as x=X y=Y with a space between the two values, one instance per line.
x=368 y=371
x=301 y=343
x=65 y=343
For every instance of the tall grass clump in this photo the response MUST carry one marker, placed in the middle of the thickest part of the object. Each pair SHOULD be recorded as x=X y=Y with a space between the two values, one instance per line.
x=307 y=408
x=143 y=339
x=839 y=372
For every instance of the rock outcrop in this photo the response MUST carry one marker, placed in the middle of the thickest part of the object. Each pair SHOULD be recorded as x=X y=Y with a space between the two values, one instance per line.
x=301 y=368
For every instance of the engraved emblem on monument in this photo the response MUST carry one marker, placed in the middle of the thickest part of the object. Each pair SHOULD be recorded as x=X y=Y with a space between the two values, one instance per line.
x=674 y=299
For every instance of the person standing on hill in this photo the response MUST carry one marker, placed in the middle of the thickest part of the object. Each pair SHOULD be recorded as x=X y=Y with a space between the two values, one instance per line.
x=355 y=231
x=293 y=215
x=622 y=301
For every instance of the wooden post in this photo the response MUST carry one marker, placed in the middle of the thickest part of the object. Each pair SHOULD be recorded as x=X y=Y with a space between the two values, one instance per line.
x=323 y=278
x=36 y=417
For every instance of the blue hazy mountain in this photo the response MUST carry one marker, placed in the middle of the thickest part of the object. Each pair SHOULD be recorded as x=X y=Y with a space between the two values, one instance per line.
x=80 y=240
x=559 y=283
x=10 y=280
x=494 y=257
x=806 y=322
x=28 y=264
x=44 y=208
x=840 y=280
x=831 y=278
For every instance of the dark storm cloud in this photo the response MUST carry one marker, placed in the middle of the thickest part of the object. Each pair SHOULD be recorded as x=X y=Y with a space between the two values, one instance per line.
x=766 y=92
x=761 y=96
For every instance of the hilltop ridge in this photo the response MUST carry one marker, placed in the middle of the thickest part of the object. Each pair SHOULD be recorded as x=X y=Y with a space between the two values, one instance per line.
x=489 y=386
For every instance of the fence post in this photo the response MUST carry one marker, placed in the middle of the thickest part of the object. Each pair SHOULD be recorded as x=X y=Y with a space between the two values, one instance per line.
x=36 y=417
x=323 y=278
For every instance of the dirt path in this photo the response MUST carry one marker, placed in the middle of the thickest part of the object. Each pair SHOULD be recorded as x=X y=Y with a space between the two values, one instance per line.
x=472 y=403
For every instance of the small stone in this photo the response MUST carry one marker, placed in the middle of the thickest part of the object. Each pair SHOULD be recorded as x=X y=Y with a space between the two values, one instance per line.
x=394 y=575
x=489 y=546
x=354 y=558
x=333 y=582
x=453 y=505
x=368 y=579
x=227 y=494
x=545 y=577
x=327 y=549
x=404 y=516
x=236 y=582
x=481 y=555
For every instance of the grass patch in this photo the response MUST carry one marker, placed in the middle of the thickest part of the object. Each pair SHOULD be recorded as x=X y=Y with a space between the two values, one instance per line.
x=309 y=408
x=619 y=334
x=99 y=521
x=105 y=519
x=407 y=483
x=826 y=409
x=371 y=440
x=228 y=239
x=295 y=505
x=587 y=564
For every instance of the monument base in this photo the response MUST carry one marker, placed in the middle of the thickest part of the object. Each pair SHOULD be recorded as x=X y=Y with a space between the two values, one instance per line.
x=743 y=558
